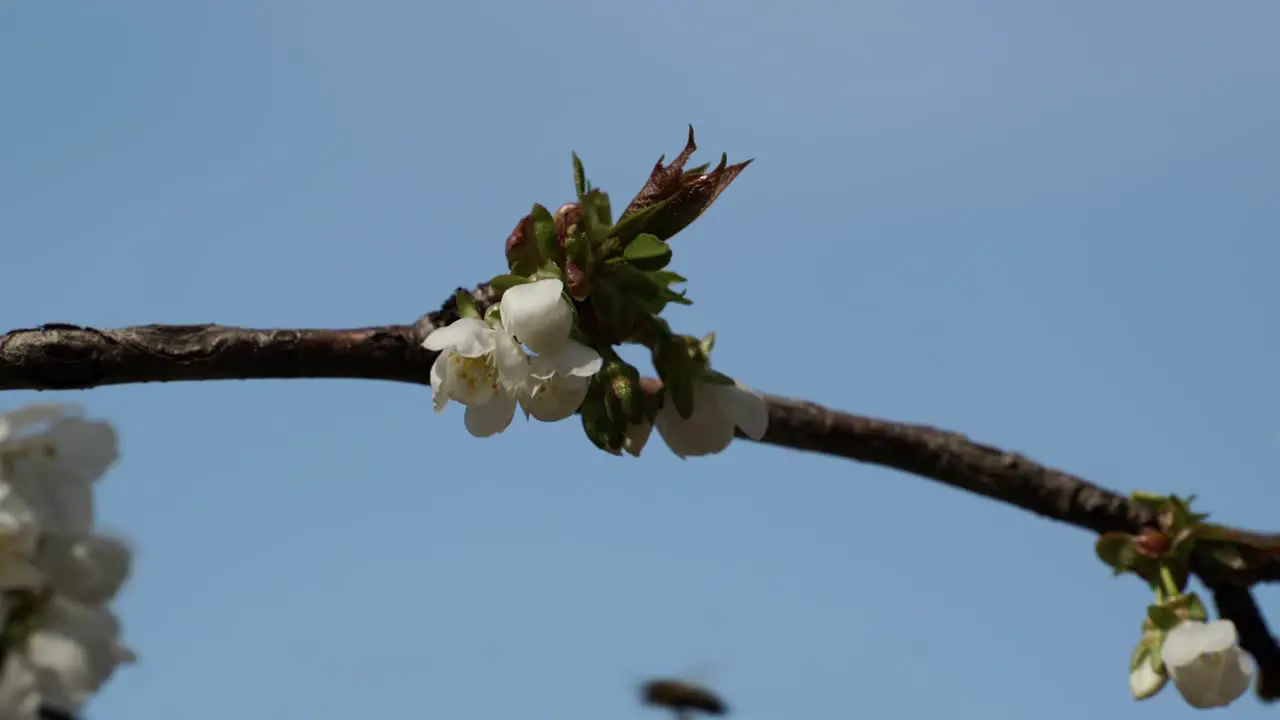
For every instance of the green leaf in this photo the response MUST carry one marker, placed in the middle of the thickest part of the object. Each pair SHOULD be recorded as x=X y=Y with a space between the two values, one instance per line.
x=544 y=230
x=506 y=282
x=598 y=214
x=466 y=305
x=630 y=226
x=667 y=295
x=716 y=378
x=1196 y=609
x=1149 y=499
x=1157 y=663
x=680 y=392
x=671 y=359
x=647 y=252
x=609 y=305
x=1117 y=549
x=595 y=422
x=579 y=177
x=1162 y=617
x=666 y=277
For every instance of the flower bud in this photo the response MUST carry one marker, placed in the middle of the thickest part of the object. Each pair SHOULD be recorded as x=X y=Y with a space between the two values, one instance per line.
x=577 y=280
x=522 y=248
x=1152 y=543
x=623 y=387
x=569 y=215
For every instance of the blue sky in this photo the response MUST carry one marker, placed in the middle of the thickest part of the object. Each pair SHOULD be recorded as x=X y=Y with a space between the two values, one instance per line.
x=1049 y=225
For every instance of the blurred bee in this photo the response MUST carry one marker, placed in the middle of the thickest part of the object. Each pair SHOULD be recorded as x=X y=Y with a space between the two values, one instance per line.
x=682 y=697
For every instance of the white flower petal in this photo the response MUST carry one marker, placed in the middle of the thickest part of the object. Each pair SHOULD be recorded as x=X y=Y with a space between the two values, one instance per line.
x=19 y=695
x=18 y=529
x=60 y=504
x=708 y=431
x=469 y=337
x=1206 y=665
x=470 y=381
x=746 y=407
x=1237 y=675
x=88 y=570
x=1218 y=636
x=74 y=650
x=556 y=399
x=572 y=358
x=491 y=418
x=439 y=368
x=85 y=449
x=512 y=362
x=636 y=438
x=1145 y=682
x=14 y=422
x=1182 y=644
x=537 y=314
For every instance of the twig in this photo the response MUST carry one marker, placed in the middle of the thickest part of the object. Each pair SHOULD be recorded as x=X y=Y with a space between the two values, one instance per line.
x=66 y=357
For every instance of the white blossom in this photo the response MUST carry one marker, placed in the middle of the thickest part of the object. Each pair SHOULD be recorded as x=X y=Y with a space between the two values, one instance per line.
x=469 y=370
x=18 y=538
x=484 y=367
x=69 y=653
x=56 y=573
x=54 y=470
x=1206 y=662
x=537 y=314
x=717 y=411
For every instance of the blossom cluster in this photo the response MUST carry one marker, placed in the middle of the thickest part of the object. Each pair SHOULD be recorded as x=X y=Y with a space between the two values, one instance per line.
x=1179 y=642
x=579 y=285
x=60 y=639
x=523 y=355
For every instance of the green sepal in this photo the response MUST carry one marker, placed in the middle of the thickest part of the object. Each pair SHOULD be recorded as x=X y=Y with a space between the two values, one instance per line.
x=544 y=231
x=508 y=281
x=602 y=432
x=671 y=359
x=647 y=252
x=1163 y=618
x=578 y=249
x=630 y=226
x=716 y=378
x=1150 y=499
x=1118 y=550
x=466 y=305
x=668 y=278
x=597 y=215
x=579 y=177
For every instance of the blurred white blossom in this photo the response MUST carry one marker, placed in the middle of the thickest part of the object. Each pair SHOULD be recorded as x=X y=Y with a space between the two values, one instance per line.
x=717 y=411
x=1207 y=664
x=66 y=655
x=61 y=641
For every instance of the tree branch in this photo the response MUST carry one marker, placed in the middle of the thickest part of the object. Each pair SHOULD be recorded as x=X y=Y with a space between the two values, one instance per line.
x=66 y=357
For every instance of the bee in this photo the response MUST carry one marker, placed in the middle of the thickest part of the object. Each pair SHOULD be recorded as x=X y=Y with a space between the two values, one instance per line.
x=682 y=697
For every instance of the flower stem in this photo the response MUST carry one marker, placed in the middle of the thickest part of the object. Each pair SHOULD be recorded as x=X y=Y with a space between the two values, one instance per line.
x=1167 y=581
